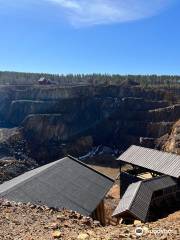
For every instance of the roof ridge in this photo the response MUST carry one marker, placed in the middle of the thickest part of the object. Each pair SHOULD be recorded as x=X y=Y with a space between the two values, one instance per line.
x=87 y=166
x=143 y=182
x=136 y=192
x=155 y=178
x=156 y=150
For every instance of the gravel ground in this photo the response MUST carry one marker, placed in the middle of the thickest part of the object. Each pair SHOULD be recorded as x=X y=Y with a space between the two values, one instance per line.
x=30 y=222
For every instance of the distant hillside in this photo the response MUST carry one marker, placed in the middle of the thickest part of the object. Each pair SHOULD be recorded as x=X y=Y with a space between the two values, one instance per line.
x=14 y=78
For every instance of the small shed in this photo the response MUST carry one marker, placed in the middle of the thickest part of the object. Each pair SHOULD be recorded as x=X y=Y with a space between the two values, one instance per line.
x=155 y=162
x=141 y=196
x=66 y=183
x=44 y=81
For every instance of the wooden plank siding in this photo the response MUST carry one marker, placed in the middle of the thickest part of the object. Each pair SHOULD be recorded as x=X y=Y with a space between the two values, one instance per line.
x=99 y=213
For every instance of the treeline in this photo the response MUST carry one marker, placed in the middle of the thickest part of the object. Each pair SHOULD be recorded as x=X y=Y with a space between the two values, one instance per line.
x=14 y=78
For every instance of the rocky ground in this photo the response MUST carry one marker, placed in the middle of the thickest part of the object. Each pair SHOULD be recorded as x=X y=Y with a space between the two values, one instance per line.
x=30 y=222
x=14 y=152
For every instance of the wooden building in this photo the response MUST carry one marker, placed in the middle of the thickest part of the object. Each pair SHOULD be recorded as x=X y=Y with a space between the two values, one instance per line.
x=140 y=197
x=44 y=81
x=66 y=183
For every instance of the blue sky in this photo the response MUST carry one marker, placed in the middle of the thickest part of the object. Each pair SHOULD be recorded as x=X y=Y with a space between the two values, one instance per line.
x=83 y=36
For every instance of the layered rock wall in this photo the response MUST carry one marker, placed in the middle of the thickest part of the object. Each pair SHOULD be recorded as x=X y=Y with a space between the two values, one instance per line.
x=59 y=120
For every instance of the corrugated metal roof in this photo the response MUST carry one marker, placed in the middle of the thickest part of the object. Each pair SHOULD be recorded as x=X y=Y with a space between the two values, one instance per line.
x=137 y=198
x=66 y=183
x=127 y=200
x=158 y=161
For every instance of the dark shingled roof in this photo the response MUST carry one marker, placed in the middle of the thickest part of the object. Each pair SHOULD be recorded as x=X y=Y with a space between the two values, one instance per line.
x=157 y=161
x=137 y=199
x=66 y=183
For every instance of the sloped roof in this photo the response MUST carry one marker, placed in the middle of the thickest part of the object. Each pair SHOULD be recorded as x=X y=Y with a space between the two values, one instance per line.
x=42 y=79
x=66 y=183
x=137 y=198
x=158 y=161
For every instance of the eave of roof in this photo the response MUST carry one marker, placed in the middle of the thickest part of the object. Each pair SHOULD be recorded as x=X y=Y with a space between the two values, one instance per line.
x=154 y=160
x=18 y=189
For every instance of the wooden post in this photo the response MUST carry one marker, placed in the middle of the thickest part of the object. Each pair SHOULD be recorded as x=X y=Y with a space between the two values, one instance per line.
x=120 y=180
x=103 y=213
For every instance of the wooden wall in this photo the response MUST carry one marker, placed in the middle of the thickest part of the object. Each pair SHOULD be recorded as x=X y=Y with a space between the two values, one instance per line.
x=99 y=213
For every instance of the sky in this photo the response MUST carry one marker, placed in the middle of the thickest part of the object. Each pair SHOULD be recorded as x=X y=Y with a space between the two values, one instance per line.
x=90 y=36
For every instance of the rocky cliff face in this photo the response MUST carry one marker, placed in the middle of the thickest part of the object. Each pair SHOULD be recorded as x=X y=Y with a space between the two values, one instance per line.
x=55 y=121
x=172 y=143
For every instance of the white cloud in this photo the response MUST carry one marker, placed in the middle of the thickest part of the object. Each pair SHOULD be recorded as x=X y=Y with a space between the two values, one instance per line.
x=70 y=4
x=92 y=12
